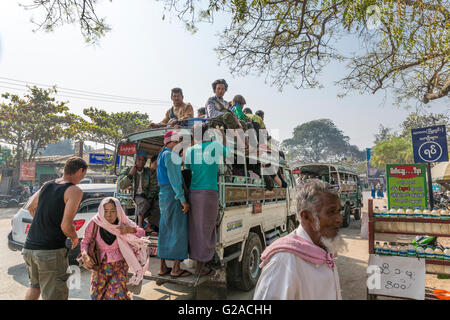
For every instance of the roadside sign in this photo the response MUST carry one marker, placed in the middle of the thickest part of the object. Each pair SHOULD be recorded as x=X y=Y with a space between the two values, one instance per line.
x=430 y=144
x=406 y=186
x=27 y=171
x=127 y=149
x=396 y=277
x=102 y=158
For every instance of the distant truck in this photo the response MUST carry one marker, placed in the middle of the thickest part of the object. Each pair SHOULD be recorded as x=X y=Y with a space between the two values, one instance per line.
x=345 y=180
x=250 y=216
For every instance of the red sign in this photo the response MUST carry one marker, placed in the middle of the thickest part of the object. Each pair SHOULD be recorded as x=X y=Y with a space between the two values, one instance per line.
x=405 y=171
x=127 y=149
x=27 y=171
x=296 y=171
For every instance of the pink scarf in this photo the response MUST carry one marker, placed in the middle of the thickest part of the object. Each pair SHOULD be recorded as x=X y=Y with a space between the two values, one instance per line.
x=299 y=247
x=133 y=249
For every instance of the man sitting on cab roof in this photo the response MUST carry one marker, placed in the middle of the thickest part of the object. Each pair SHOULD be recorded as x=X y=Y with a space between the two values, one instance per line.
x=179 y=111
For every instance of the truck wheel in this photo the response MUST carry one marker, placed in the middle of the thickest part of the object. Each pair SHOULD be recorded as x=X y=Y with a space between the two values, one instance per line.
x=290 y=225
x=346 y=216
x=357 y=214
x=249 y=267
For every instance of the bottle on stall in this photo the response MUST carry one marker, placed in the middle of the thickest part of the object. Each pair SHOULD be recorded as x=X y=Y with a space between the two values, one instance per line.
x=401 y=225
x=445 y=216
x=377 y=248
x=436 y=227
x=394 y=249
x=429 y=253
x=411 y=251
x=420 y=252
x=409 y=225
x=447 y=259
x=403 y=250
x=418 y=226
x=439 y=255
x=376 y=214
x=384 y=214
x=385 y=249
x=394 y=224
x=426 y=225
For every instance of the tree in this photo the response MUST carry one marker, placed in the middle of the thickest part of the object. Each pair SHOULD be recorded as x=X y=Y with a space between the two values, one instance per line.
x=416 y=120
x=110 y=128
x=319 y=140
x=32 y=122
x=395 y=149
x=405 y=42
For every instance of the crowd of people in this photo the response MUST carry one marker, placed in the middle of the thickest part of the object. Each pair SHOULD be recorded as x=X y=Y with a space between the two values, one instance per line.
x=183 y=217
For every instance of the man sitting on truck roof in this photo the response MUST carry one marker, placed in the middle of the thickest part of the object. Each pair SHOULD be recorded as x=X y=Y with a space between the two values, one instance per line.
x=301 y=265
x=179 y=111
x=217 y=109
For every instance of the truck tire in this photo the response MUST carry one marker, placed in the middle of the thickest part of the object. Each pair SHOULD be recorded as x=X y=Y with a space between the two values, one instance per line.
x=357 y=214
x=346 y=216
x=245 y=274
x=290 y=225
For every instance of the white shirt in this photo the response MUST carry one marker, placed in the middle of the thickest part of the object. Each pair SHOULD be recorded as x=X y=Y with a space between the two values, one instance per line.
x=288 y=277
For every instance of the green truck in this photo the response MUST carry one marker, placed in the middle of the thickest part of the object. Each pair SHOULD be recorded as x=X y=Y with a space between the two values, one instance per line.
x=345 y=180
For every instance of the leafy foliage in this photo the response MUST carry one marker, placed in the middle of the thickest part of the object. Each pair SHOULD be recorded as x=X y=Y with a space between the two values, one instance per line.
x=110 y=128
x=32 y=122
x=320 y=140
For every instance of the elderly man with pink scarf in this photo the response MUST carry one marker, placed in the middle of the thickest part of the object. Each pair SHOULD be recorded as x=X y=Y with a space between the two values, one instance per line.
x=120 y=249
x=301 y=265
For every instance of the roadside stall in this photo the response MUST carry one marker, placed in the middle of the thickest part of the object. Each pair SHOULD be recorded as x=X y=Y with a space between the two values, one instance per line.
x=403 y=237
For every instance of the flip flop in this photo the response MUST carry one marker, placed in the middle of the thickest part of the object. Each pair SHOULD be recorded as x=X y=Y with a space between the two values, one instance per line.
x=210 y=272
x=184 y=273
x=165 y=273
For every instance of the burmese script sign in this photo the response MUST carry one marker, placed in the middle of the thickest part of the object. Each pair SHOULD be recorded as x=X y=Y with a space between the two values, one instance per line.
x=406 y=186
x=396 y=277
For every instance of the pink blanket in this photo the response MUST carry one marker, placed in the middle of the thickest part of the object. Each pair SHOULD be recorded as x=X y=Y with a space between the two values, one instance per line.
x=299 y=247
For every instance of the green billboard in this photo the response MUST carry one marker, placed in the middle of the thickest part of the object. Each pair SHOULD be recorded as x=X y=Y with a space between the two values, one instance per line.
x=407 y=186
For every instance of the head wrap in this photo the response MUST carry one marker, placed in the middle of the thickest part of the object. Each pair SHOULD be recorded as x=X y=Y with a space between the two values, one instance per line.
x=141 y=153
x=171 y=136
x=133 y=249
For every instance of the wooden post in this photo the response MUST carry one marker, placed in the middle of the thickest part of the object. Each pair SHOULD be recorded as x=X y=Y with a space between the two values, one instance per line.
x=371 y=226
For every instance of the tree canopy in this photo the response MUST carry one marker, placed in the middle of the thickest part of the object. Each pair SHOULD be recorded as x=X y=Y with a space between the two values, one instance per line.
x=396 y=147
x=109 y=127
x=320 y=140
x=404 y=43
x=31 y=122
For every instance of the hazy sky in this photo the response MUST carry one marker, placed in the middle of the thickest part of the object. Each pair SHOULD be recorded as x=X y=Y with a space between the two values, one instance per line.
x=144 y=57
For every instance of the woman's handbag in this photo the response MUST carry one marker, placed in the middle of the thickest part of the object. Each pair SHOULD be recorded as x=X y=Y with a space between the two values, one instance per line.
x=93 y=253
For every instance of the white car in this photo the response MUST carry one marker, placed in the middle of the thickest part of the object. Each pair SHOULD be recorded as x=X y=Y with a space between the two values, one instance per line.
x=93 y=194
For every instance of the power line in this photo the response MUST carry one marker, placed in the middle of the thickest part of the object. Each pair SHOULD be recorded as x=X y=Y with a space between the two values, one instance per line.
x=90 y=94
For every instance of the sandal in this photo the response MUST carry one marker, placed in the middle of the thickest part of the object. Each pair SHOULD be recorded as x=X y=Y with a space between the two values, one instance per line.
x=210 y=272
x=184 y=273
x=165 y=273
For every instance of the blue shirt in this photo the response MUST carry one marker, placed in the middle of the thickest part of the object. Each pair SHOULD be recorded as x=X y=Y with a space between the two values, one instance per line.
x=203 y=160
x=169 y=172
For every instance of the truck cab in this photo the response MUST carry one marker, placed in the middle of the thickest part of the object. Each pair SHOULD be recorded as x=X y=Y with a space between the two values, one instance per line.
x=251 y=213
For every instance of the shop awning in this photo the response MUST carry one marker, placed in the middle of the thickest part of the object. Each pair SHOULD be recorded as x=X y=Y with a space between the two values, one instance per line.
x=441 y=172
